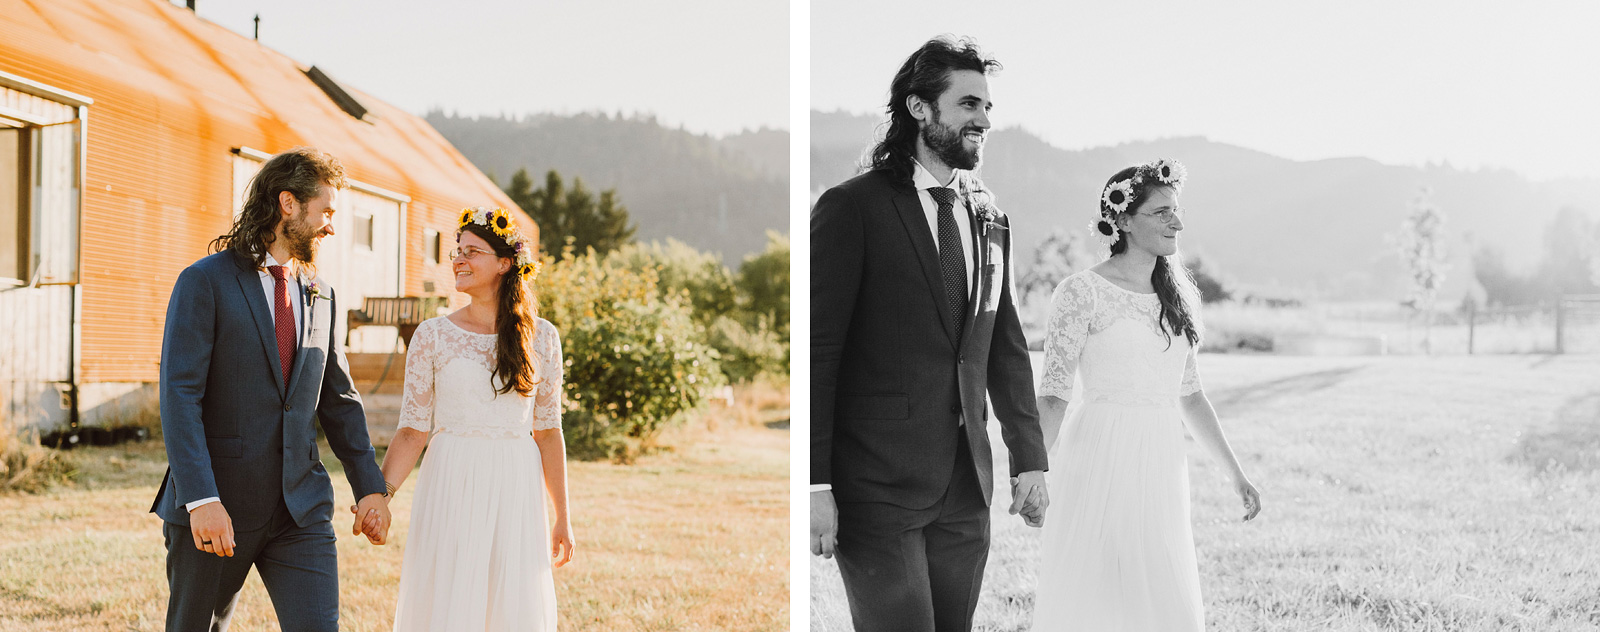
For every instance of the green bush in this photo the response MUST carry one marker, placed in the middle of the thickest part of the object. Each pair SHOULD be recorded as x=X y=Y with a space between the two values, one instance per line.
x=747 y=354
x=635 y=361
x=763 y=283
x=697 y=278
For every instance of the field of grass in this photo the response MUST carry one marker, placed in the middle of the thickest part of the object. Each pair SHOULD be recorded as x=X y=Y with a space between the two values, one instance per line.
x=694 y=537
x=1532 y=331
x=1398 y=493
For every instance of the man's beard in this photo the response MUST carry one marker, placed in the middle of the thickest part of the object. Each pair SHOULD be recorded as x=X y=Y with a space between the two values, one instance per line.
x=946 y=143
x=301 y=238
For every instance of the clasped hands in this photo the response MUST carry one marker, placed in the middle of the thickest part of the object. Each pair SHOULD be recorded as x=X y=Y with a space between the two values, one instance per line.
x=1029 y=497
x=372 y=518
x=212 y=527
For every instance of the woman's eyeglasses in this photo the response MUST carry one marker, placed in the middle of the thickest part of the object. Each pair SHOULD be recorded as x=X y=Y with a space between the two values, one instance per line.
x=1167 y=215
x=469 y=252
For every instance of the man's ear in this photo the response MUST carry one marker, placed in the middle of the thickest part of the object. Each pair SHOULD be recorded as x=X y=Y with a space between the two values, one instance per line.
x=286 y=203
x=919 y=108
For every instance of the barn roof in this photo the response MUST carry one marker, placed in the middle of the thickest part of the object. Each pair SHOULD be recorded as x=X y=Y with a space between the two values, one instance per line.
x=163 y=55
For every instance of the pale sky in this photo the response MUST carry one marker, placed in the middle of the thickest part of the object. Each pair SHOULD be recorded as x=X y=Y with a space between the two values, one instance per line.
x=1472 y=83
x=712 y=66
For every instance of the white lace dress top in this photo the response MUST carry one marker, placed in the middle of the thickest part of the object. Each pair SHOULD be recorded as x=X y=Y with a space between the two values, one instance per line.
x=1111 y=339
x=448 y=386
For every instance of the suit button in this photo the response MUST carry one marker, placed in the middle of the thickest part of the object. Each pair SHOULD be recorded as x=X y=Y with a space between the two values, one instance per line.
x=955 y=408
x=286 y=407
x=962 y=359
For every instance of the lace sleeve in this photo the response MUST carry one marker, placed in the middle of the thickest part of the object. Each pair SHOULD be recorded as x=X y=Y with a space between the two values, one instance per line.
x=1191 y=374
x=416 y=399
x=547 y=396
x=1071 y=306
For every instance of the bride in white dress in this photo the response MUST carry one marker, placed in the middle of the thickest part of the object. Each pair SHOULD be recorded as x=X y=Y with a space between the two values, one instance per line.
x=1118 y=552
x=485 y=381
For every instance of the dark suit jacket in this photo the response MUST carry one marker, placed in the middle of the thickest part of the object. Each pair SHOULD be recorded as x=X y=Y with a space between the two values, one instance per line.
x=233 y=429
x=889 y=372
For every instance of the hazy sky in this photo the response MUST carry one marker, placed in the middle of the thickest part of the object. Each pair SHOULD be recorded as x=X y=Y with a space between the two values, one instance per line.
x=713 y=66
x=1502 y=84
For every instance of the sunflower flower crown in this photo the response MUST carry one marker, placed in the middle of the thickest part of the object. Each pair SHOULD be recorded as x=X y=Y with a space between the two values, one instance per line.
x=503 y=225
x=1120 y=195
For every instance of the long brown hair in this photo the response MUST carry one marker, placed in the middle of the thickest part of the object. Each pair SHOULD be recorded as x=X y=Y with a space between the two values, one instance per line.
x=926 y=74
x=302 y=172
x=514 y=358
x=1173 y=283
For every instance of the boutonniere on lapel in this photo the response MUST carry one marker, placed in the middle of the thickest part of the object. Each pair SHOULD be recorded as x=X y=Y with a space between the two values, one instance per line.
x=313 y=289
x=981 y=201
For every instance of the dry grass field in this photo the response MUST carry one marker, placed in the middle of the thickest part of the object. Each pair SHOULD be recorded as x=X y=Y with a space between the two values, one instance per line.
x=694 y=537
x=1399 y=493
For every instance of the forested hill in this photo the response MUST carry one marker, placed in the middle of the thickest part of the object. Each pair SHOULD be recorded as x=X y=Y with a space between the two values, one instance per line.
x=717 y=194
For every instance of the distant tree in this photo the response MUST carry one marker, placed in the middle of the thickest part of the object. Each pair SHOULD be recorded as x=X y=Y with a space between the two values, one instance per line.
x=1570 y=253
x=697 y=278
x=1062 y=253
x=764 y=281
x=1207 y=279
x=1421 y=242
x=1501 y=286
x=574 y=214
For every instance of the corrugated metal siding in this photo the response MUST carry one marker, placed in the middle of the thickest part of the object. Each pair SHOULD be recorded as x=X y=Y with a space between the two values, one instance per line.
x=172 y=96
x=34 y=347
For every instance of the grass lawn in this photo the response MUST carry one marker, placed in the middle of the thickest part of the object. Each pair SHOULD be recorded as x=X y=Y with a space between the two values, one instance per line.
x=1398 y=493
x=694 y=538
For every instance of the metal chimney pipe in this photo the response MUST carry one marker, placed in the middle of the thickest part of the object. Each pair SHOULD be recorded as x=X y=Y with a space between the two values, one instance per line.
x=258 y=25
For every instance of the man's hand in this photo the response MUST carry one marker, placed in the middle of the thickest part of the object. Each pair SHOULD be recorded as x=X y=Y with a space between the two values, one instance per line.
x=212 y=529
x=1028 y=497
x=824 y=524
x=372 y=518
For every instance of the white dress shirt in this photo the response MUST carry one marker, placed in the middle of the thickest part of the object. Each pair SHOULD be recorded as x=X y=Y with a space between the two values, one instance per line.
x=923 y=180
x=269 y=285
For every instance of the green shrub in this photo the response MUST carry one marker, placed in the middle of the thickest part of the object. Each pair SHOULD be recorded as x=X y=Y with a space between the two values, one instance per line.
x=748 y=354
x=697 y=278
x=635 y=361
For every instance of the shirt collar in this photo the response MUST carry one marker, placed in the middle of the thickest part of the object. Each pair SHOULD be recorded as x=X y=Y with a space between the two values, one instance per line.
x=270 y=261
x=921 y=178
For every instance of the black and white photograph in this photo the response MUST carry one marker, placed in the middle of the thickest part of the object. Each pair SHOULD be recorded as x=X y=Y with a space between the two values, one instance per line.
x=1228 y=316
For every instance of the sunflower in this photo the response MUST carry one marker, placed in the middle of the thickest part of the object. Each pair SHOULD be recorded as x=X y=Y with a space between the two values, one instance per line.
x=1105 y=231
x=1117 y=196
x=529 y=271
x=501 y=223
x=1170 y=172
x=466 y=218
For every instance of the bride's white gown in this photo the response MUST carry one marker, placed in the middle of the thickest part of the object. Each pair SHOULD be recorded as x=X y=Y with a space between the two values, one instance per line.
x=1117 y=550
x=477 y=556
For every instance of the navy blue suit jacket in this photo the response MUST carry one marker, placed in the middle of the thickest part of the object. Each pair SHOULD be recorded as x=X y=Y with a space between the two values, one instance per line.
x=233 y=429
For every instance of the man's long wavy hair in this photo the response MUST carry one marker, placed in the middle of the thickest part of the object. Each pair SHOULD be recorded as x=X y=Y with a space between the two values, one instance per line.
x=302 y=172
x=1173 y=284
x=515 y=362
x=925 y=74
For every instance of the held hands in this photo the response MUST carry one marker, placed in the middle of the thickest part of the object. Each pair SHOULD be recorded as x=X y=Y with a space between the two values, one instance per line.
x=561 y=543
x=824 y=524
x=372 y=519
x=1029 y=498
x=1251 y=497
x=212 y=529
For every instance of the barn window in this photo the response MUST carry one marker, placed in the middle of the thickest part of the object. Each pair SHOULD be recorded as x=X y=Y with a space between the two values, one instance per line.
x=430 y=245
x=41 y=132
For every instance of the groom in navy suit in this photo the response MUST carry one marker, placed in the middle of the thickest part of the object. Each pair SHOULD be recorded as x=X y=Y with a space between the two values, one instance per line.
x=913 y=324
x=248 y=363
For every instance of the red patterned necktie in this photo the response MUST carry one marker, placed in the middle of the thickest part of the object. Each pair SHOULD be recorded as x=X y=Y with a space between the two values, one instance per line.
x=283 y=321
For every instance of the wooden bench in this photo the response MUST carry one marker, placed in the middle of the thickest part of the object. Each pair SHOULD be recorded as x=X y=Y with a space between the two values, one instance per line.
x=401 y=312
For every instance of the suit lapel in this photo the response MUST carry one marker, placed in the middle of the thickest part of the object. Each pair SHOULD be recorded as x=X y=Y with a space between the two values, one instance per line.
x=307 y=316
x=916 y=224
x=256 y=299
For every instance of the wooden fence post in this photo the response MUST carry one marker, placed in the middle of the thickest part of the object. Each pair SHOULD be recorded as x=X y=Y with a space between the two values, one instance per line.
x=1472 y=322
x=1560 y=303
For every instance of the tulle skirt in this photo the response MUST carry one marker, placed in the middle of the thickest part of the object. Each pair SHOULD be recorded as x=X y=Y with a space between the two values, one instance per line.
x=478 y=552
x=1117 y=549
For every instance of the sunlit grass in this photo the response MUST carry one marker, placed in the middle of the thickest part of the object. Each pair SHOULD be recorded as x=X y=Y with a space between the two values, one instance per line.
x=1399 y=493
x=691 y=537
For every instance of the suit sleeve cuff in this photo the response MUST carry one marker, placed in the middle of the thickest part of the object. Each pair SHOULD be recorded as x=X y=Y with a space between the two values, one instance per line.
x=821 y=487
x=203 y=501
